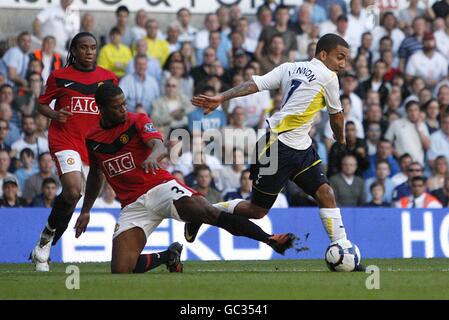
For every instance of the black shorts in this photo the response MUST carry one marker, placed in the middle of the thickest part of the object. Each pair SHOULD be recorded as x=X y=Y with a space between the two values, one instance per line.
x=303 y=167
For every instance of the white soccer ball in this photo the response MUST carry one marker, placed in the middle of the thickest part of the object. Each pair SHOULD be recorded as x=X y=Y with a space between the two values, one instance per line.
x=343 y=256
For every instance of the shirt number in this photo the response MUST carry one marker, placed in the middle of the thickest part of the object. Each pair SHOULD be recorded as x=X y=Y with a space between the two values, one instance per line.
x=294 y=85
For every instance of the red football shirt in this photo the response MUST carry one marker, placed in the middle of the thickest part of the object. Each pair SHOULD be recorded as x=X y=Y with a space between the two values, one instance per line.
x=120 y=152
x=75 y=89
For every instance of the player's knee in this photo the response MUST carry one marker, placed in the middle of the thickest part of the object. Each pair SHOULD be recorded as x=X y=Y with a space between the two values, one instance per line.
x=325 y=194
x=258 y=212
x=72 y=195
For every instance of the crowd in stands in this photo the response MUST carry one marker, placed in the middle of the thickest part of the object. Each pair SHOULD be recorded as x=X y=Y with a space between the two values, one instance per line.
x=395 y=95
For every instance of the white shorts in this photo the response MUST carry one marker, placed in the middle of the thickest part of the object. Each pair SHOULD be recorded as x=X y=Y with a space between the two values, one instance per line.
x=69 y=161
x=148 y=211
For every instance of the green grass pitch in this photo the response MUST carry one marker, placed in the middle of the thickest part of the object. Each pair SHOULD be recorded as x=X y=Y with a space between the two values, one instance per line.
x=222 y=280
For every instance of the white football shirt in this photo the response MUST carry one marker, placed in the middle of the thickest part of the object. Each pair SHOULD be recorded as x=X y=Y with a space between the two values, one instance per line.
x=307 y=87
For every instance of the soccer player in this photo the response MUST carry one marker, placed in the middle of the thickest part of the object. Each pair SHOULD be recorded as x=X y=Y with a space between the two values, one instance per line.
x=125 y=148
x=307 y=87
x=75 y=112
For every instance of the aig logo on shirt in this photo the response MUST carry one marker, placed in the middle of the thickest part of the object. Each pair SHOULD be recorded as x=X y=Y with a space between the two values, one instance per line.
x=119 y=165
x=84 y=105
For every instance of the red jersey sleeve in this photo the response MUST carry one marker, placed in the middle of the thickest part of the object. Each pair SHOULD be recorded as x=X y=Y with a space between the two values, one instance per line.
x=51 y=91
x=146 y=129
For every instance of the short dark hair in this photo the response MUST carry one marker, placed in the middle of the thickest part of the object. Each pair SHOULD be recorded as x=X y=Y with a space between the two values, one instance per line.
x=201 y=167
x=105 y=92
x=39 y=158
x=122 y=9
x=376 y=184
x=243 y=172
x=281 y=7
x=114 y=30
x=181 y=10
x=383 y=162
x=419 y=178
x=329 y=42
x=405 y=155
x=410 y=103
x=28 y=152
x=48 y=181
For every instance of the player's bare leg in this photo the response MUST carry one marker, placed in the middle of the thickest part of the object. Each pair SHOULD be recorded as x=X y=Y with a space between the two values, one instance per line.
x=198 y=210
x=127 y=257
x=58 y=219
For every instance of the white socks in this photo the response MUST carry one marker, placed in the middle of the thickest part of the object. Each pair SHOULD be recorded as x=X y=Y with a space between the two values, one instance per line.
x=228 y=206
x=332 y=223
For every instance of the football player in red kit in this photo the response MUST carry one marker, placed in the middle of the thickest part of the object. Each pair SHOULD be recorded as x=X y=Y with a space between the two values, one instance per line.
x=75 y=112
x=125 y=148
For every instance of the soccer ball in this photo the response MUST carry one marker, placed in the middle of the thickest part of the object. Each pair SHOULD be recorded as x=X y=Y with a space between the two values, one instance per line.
x=343 y=256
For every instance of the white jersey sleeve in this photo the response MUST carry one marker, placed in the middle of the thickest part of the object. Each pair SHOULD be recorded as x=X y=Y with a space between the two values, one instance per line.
x=332 y=96
x=271 y=80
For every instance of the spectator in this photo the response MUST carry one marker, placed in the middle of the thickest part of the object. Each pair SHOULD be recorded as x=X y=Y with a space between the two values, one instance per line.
x=201 y=72
x=343 y=31
x=415 y=169
x=243 y=191
x=203 y=186
x=442 y=194
x=349 y=84
x=139 y=88
x=5 y=162
x=275 y=56
x=6 y=114
x=173 y=33
x=317 y=12
x=354 y=146
x=373 y=134
x=27 y=103
x=388 y=57
x=240 y=61
x=404 y=161
x=388 y=27
x=61 y=21
x=237 y=135
x=382 y=176
x=170 y=111
x=439 y=141
x=443 y=98
x=4 y=130
x=348 y=187
x=375 y=82
x=27 y=168
x=138 y=30
x=384 y=152
x=188 y=56
x=197 y=120
x=177 y=70
x=377 y=192
x=254 y=105
x=47 y=197
x=115 y=56
x=29 y=139
x=330 y=25
x=442 y=38
x=211 y=23
x=107 y=198
x=412 y=43
x=428 y=64
x=48 y=56
x=42 y=123
x=88 y=25
x=178 y=175
x=242 y=28
x=221 y=46
x=365 y=49
x=188 y=31
x=33 y=185
x=126 y=34
x=156 y=48
x=17 y=59
x=153 y=69
x=407 y=15
x=373 y=114
x=223 y=20
x=280 y=27
x=356 y=23
x=410 y=134
x=440 y=170
x=432 y=110
x=264 y=19
x=10 y=197
x=419 y=198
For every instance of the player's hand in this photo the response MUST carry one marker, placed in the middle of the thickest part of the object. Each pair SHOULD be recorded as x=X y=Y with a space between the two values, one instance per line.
x=81 y=224
x=151 y=164
x=209 y=104
x=63 y=114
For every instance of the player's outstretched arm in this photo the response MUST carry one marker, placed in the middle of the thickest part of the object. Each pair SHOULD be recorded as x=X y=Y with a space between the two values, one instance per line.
x=209 y=104
x=158 y=152
x=94 y=183
x=60 y=116
x=337 y=122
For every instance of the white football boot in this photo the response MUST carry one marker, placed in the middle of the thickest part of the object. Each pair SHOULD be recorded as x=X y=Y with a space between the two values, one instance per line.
x=41 y=253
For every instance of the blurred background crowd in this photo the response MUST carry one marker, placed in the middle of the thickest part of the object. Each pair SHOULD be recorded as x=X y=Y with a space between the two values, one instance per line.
x=395 y=95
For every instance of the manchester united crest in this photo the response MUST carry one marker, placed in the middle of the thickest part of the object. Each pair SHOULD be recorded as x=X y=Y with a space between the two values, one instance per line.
x=124 y=138
x=70 y=161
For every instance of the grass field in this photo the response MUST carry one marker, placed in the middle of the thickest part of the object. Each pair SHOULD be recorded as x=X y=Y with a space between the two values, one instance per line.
x=275 y=279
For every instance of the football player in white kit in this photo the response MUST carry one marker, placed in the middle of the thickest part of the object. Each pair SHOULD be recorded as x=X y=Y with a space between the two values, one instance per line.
x=307 y=88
